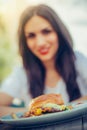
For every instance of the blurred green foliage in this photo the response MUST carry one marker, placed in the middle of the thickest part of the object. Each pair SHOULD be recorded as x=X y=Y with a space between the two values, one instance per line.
x=6 y=51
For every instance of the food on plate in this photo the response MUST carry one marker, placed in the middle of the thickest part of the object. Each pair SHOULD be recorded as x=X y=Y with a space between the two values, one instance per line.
x=14 y=116
x=47 y=103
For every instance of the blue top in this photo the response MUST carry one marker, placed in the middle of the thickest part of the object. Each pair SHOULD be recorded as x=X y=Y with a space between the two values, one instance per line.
x=16 y=84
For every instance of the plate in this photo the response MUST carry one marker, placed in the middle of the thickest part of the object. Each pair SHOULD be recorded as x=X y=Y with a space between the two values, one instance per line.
x=78 y=111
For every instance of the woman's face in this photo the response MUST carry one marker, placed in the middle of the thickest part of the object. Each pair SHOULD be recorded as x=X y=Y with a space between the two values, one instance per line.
x=41 y=38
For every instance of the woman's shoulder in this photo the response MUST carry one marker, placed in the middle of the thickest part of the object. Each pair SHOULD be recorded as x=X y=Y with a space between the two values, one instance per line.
x=79 y=54
x=18 y=74
x=19 y=71
x=80 y=57
x=81 y=61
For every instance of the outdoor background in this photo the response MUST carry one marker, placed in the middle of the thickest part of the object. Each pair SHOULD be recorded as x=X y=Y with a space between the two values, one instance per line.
x=72 y=12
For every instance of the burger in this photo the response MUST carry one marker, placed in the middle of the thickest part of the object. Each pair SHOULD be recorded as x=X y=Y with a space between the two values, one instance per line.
x=48 y=103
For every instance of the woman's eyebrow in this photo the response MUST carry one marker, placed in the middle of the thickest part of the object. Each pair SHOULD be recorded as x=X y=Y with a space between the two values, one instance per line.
x=32 y=32
x=28 y=33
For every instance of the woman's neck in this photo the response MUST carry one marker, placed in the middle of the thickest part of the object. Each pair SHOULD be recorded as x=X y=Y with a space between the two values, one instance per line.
x=49 y=65
x=52 y=76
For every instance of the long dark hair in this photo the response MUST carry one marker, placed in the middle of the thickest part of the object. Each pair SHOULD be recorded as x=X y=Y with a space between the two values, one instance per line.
x=65 y=57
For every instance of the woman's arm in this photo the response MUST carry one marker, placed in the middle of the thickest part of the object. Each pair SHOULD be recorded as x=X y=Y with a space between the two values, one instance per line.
x=5 y=102
x=84 y=98
x=5 y=99
x=4 y=110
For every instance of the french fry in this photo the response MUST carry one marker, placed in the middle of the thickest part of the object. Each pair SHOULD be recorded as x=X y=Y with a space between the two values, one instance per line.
x=14 y=116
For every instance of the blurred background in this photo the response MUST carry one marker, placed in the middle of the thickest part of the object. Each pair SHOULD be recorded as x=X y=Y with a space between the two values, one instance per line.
x=72 y=12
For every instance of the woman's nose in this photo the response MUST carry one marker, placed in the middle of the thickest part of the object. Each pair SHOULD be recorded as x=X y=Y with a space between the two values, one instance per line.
x=40 y=41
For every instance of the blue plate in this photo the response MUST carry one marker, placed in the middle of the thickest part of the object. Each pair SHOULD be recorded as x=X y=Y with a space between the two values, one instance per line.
x=77 y=111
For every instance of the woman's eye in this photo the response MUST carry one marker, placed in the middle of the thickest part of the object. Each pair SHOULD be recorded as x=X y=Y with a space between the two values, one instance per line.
x=31 y=35
x=46 y=31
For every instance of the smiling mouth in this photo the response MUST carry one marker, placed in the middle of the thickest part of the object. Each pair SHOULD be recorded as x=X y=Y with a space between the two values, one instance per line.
x=44 y=51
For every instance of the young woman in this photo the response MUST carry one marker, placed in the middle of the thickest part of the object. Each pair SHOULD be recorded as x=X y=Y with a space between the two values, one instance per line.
x=49 y=63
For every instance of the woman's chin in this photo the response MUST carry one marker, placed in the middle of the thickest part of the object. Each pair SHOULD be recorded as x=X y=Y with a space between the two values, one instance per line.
x=46 y=59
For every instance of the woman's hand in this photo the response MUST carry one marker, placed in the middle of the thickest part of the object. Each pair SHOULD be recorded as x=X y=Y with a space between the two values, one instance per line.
x=84 y=98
